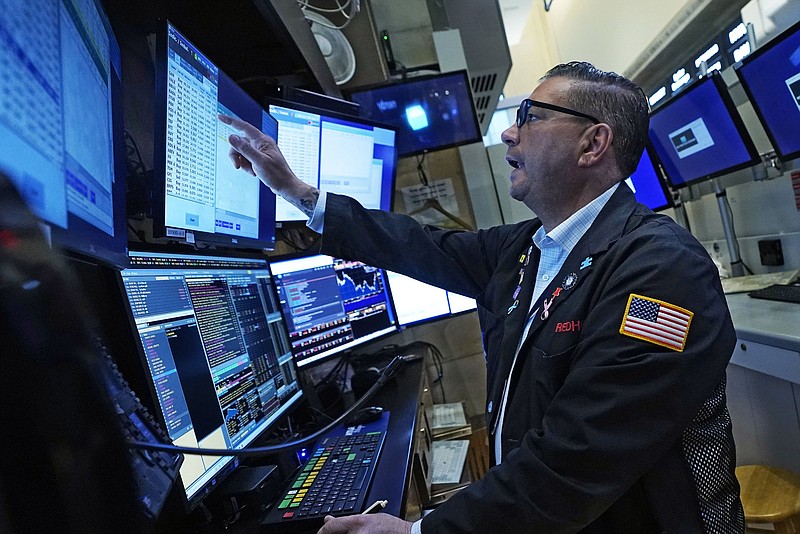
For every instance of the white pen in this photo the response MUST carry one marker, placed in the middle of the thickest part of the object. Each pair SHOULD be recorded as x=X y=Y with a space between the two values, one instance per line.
x=377 y=506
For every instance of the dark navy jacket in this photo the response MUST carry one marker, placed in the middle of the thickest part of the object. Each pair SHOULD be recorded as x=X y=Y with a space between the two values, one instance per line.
x=603 y=432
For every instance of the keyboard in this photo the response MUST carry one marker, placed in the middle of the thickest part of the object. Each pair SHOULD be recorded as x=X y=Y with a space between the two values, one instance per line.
x=334 y=482
x=782 y=292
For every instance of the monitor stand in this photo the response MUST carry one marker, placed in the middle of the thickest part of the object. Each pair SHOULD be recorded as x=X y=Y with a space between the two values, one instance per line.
x=737 y=267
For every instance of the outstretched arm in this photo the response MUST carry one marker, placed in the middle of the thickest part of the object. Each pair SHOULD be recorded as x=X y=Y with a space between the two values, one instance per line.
x=258 y=154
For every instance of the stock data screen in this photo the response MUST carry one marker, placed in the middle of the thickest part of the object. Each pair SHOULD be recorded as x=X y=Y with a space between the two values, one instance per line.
x=331 y=304
x=203 y=192
x=336 y=153
x=214 y=343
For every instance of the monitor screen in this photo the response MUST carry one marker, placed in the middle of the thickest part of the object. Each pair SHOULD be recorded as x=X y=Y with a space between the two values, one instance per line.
x=647 y=184
x=415 y=301
x=460 y=304
x=200 y=196
x=214 y=345
x=61 y=123
x=771 y=78
x=429 y=112
x=699 y=134
x=331 y=305
x=336 y=153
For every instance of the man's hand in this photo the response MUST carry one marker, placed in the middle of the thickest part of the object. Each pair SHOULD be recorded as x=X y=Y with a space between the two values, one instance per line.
x=258 y=154
x=365 y=524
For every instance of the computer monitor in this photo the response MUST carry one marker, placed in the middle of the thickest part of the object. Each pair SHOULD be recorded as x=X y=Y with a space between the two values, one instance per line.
x=430 y=112
x=199 y=195
x=699 y=134
x=214 y=346
x=331 y=305
x=771 y=78
x=415 y=301
x=336 y=153
x=460 y=304
x=61 y=123
x=647 y=183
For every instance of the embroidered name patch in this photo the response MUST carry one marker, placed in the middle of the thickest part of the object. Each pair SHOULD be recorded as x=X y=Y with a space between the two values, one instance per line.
x=656 y=321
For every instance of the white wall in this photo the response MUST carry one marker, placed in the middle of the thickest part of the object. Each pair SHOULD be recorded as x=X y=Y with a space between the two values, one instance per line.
x=608 y=33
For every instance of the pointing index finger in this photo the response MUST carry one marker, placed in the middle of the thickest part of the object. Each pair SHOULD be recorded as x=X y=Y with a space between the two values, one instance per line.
x=250 y=131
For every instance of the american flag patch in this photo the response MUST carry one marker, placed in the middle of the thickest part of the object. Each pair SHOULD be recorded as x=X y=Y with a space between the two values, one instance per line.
x=656 y=321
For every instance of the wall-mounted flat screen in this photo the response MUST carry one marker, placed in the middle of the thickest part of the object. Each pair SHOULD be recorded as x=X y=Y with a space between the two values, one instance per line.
x=429 y=112
x=771 y=78
x=699 y=134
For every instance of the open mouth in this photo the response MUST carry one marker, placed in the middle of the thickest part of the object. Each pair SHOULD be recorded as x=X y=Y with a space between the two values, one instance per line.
x=514 y=163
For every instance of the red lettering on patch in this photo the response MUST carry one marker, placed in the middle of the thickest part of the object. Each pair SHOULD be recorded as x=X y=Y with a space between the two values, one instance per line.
x=568 y=326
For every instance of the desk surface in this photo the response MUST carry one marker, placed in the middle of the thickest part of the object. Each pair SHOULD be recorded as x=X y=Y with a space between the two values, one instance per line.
x=766 y=321
x=401 y=397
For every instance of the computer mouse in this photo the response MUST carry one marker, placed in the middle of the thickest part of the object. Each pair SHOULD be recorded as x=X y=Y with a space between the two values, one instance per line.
x=366 y=415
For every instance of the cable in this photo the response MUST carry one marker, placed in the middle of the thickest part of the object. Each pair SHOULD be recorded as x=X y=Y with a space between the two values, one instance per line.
x=306 y=5
x=339 y=9
x=423 y=177
x=436 y=358
x=388 y=373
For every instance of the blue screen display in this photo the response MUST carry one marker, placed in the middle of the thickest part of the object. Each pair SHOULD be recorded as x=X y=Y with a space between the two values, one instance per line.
x=336 y=153
x=647 y=185
x=331 y=305
x=203 y=196
x=771 y=78
x=699 y=134
x=430 y=112
x=61 y=123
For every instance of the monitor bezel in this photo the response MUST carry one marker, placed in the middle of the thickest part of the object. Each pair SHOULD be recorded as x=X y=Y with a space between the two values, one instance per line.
x=341 y=116
x=753 y=57
x=160 y=229
x=324 y=356
x=716 y=79
x=214 y=482
x=474 y=114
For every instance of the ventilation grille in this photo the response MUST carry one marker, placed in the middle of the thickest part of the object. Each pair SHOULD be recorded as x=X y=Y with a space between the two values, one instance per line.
x=486 y=92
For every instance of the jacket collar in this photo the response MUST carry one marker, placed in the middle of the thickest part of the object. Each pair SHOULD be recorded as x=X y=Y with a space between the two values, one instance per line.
x=607 y=229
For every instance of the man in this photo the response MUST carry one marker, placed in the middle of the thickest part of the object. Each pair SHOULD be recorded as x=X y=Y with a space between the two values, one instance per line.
x=605 y=328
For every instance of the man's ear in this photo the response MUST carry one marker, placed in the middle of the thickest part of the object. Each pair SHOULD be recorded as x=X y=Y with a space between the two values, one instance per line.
x=595 y=145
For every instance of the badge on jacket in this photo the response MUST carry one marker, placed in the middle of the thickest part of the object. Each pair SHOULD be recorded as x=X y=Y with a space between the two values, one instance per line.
x=656 y=321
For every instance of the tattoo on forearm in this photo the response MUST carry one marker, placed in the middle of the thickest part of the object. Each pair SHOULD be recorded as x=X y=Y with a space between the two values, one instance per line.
x=308 y=203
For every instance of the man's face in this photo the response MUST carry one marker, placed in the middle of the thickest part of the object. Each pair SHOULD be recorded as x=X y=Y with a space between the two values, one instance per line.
x=544 y=151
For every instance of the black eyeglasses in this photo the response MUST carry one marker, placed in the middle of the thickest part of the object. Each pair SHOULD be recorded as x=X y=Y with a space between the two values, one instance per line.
x=525 y=106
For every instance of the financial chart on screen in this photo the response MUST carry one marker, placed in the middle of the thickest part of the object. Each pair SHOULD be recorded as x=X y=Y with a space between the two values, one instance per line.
x=214 y=345
x=330 y=304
